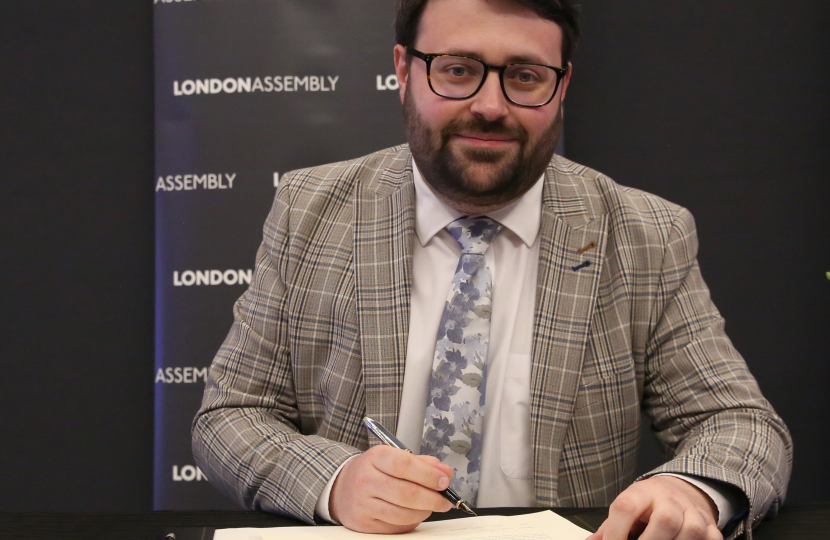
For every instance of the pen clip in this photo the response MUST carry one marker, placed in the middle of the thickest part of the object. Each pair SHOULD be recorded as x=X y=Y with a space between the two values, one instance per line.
x=384 y=435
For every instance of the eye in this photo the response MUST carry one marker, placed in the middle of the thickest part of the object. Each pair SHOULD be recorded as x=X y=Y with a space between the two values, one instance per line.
x=527 y=77
x=457 y=71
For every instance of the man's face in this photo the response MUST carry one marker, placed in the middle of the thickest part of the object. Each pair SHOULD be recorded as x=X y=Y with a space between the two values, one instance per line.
x=484 y=152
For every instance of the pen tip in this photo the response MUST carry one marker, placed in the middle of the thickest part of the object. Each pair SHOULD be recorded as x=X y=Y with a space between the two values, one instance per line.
x=462 y=505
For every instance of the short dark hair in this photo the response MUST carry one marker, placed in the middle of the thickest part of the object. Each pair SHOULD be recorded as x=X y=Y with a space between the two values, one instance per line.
x=563 y=12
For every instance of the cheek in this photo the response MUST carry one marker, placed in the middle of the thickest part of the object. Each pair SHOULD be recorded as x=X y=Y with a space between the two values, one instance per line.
x=437 y=113
x=538 y=123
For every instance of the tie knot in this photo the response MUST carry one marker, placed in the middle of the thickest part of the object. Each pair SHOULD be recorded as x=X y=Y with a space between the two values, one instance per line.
x=474 y=235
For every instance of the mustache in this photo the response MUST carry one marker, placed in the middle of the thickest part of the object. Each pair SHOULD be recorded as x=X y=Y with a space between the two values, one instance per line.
x=477 y=125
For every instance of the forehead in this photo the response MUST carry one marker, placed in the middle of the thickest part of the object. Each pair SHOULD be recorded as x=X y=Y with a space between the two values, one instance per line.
x=497 y=31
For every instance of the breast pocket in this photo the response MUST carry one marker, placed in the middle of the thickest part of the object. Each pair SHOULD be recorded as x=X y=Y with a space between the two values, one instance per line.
x=516 y=453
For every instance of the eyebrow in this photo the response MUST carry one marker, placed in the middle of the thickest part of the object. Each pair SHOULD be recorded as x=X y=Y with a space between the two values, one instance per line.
x=515 y=59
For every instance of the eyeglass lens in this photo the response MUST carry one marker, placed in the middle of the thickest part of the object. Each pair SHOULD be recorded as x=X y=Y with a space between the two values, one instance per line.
x=459 y=77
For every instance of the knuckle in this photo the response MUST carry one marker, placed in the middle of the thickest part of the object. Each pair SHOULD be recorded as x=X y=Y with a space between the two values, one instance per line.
x=695 y=524
x=624 y=504
x=386 y=513
x=708 y=518
x=400 y=461
x=712 y=533
x=676 y=505
x=696 y=531
x=667 y=520
x=429 y=459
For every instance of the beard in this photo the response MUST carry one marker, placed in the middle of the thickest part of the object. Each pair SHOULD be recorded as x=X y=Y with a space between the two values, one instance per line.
x=478 y=178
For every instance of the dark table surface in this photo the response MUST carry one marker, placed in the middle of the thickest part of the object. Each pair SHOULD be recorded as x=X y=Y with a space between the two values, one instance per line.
x=807 y=521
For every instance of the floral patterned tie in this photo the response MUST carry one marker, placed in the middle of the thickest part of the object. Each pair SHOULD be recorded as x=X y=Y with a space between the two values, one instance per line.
x=455 y=406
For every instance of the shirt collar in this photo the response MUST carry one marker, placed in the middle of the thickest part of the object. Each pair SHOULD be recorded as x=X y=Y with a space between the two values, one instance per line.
x=522 y=216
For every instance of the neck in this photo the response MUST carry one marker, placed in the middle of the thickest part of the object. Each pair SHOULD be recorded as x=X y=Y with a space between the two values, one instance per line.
x=471 y=209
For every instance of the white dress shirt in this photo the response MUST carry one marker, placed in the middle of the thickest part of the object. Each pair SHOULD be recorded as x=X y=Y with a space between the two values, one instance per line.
x=513 y=257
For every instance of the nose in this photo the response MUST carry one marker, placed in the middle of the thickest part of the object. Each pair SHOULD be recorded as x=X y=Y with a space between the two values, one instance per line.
x=489 y=103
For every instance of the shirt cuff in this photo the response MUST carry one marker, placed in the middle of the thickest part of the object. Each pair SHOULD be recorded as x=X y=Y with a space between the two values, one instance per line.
x=725 y=497
x=322 y=508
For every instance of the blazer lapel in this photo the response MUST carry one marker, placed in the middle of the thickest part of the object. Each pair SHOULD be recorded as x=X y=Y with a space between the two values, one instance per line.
x=565 y=295
x=384 y=232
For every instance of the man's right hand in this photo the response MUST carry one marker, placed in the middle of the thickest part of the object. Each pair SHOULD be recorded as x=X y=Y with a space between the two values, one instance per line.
x=386 y=490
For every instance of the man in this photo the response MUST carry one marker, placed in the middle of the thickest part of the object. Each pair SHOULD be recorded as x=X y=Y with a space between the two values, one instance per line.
x=562 y=304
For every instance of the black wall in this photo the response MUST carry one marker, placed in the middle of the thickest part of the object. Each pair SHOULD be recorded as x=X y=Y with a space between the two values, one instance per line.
x=76 y=211
x=721 y=107
x=724 y=108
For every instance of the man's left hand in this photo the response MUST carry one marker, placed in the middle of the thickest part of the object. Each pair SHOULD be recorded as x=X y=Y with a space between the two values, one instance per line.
x=661 y=508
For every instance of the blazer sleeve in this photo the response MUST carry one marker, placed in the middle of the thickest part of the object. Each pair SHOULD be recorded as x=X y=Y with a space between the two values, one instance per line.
x=706 y=408
x=246 y=436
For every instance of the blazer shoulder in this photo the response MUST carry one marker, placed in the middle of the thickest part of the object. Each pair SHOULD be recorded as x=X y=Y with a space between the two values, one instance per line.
x=627 y=207
x=339 y=177
x=320 y=201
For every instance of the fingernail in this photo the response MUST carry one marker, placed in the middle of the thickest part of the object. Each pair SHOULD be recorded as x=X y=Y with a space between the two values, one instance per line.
x=443 y=482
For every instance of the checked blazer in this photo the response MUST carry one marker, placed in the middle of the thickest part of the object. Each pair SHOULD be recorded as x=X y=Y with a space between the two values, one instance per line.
x=319 y=341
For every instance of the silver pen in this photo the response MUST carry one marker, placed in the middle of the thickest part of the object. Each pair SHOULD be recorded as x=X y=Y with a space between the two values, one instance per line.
x=390 y=440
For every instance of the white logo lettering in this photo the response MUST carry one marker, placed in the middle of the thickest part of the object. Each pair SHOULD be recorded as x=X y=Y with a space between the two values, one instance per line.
x=181 y=375
x=188 y=473
x=189 y=182
x=390 y=83
x=228 y=85
x=277 y=83
x=188 y=278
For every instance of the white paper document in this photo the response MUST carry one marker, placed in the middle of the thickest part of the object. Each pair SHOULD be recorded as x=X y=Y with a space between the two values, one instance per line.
x=539 y=526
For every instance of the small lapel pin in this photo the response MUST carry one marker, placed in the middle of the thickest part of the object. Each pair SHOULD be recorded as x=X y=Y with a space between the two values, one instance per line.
x=592 y=245
x=578 y=267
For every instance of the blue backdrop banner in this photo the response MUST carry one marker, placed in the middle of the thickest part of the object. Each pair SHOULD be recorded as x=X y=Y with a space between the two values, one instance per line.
x=245 y=91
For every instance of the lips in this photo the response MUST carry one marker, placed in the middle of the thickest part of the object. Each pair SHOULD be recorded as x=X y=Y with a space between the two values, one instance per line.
x=487 y=140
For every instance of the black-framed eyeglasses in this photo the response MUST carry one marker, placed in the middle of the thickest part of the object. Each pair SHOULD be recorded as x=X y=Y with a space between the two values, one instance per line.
x=454 y=76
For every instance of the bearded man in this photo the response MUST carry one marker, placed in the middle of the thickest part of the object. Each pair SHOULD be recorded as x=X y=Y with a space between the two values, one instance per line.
x=506 y=312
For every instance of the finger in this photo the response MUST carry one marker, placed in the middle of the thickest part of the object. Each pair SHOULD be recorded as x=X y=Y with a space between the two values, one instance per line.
x=397 y=516
x=375 y=526
x=408 y=494
x=712 y=533
x=432 y=460
x=373 y=515
x=403 y=465
x=435 y=462
x=665 y=521
x=623 y=513
x=694 y=526
x=367 y=523
x=598 y=534
x=380 y=527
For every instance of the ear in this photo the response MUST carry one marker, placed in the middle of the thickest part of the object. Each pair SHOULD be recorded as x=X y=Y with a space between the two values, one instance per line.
x=565 y=82
x=401 y=69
